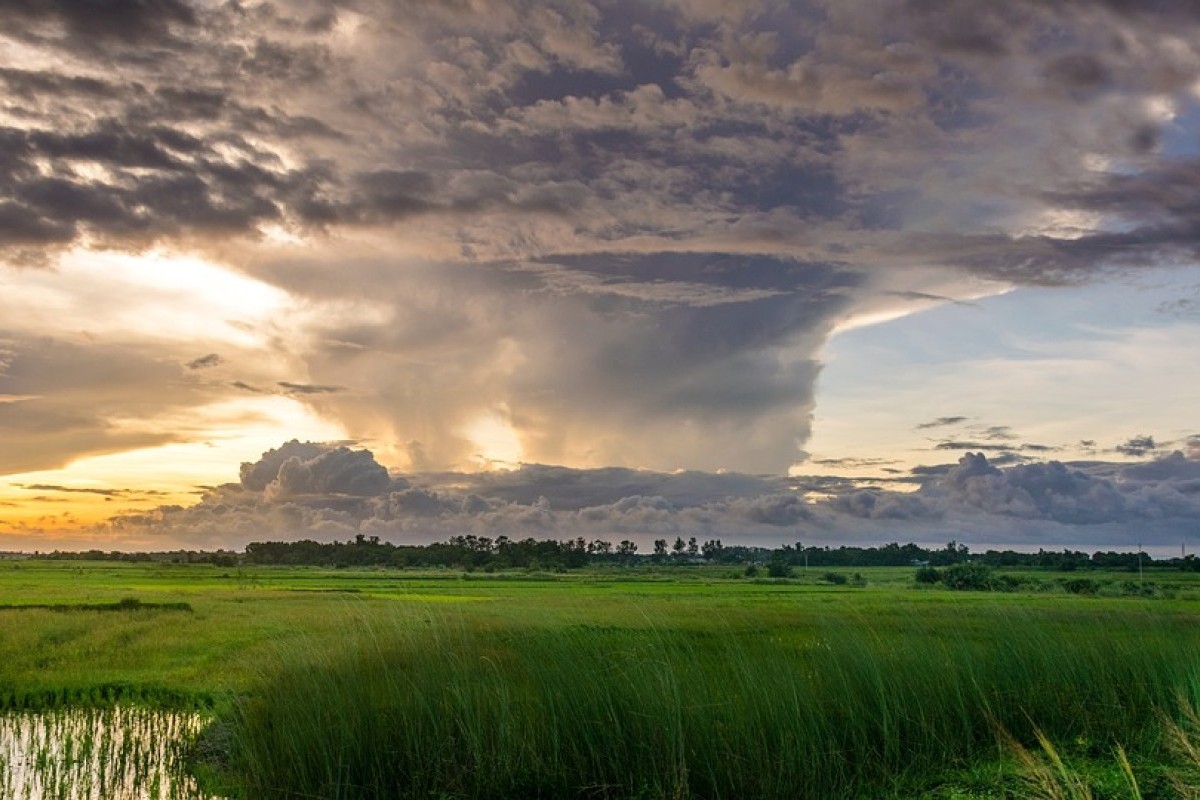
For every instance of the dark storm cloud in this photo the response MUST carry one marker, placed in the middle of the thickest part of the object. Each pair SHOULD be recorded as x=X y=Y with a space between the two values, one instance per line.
x=159 y=181
x=1078 y=71
x=30 y=85
x=129 y=21
x=606 y=112
x=23 y=226
x=624 y=230
x=1163 y=199
x=111 y=143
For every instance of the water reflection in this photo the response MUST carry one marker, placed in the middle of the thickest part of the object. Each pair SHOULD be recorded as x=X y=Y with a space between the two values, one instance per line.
x=97 y=754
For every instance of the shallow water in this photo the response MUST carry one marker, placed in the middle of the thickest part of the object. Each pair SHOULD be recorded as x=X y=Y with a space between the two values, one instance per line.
x=97 y=754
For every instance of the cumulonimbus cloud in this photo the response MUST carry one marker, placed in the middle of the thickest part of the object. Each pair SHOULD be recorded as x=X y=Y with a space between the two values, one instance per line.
x=615 y=233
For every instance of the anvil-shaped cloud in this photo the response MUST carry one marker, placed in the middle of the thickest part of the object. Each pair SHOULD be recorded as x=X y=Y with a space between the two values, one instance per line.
x=582 y=233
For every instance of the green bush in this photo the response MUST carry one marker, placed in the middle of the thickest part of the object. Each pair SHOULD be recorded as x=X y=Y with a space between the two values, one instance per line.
x=779 y=569
x=968 y=577
x=835 y=578
x=928 y=575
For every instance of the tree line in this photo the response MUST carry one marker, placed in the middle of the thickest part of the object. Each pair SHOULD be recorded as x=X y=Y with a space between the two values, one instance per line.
x=482 y=552
x=502 y=552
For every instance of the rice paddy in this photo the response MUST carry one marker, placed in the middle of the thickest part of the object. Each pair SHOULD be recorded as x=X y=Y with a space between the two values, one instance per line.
x=119 y=753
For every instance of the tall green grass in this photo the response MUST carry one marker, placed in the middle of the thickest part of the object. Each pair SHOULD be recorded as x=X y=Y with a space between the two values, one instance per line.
x=449 y=706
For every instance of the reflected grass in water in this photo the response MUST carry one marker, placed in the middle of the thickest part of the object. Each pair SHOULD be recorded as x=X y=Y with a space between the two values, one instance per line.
x=120 y=753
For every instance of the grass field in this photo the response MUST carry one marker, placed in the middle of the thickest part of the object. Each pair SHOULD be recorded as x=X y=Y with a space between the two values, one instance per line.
x=684 y=682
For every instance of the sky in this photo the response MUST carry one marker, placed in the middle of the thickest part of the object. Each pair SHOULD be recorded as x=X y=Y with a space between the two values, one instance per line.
x=832 y=271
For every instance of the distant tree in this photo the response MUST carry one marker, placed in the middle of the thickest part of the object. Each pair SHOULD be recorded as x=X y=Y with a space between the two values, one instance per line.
x=679 y=546
x=600 y=547
x=952 y=553
x=693 y=549
x=660 y=549
x=712 y=550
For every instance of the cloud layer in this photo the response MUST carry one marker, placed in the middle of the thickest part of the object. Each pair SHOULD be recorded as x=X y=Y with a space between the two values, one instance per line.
x=302 y=489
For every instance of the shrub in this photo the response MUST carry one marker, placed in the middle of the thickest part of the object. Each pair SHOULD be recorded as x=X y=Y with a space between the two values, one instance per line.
x=835 y=578
x=928 y=575
x=1081 y=586
x=968 y=577
x=751 y=571
x=779 y=569
x=1007 y=583
x=1138 y=589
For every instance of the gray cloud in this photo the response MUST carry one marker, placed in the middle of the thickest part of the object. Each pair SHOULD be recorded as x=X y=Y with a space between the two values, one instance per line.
x=332 y=491
x=340 y=471
x=957 y=445
x=53 y=487
x=81 y=397
x=876 y=504
x=853 y=462
x=309 y=388
x=1137 y=446
x=1172 y=467
x=130 y=21
x=204 y=362
x=941 y=422
x=1046 y=490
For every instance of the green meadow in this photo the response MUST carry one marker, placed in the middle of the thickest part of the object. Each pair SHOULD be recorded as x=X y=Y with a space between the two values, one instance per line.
x=672 y=682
